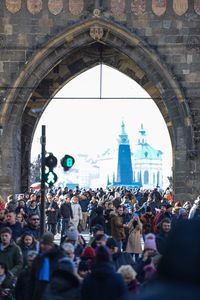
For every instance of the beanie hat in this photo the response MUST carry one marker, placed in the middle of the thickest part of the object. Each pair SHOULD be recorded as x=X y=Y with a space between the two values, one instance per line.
x=72 y=234
x=47 y=238
x=65 y=264
x=88 y=252
x=103 y=254
x=150 y=242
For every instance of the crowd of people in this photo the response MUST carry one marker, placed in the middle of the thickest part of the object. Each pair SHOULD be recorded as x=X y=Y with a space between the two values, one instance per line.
x=142 y=245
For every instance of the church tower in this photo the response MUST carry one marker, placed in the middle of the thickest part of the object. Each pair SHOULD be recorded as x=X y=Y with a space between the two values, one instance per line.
x=124 y=167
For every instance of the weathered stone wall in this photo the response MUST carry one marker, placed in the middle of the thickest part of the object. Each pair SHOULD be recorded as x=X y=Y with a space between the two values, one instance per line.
x=44 y=44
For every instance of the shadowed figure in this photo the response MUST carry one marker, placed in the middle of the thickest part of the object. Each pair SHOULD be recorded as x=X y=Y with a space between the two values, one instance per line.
x=178 y=273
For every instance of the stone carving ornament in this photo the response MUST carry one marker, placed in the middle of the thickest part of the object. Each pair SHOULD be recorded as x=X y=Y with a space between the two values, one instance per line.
x=34 y=6
x=117 y=7
x=13 y=6
x=76 y=7
x=138 y=7
x=180 y=6
x=96 y=32
x=55 y=6
x=159 y=7
x=197 y=6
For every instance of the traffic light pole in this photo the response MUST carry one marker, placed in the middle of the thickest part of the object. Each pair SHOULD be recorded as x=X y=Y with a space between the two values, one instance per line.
x=42 y=204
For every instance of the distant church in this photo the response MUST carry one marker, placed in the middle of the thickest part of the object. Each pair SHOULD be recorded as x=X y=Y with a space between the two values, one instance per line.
x=143 y=168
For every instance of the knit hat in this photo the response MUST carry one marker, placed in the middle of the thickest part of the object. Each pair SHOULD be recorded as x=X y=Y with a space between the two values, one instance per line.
x=88 y=252
x=103 y=254
x=65 y=264
x=71 y=234
x=150 y=242
x=47 y=238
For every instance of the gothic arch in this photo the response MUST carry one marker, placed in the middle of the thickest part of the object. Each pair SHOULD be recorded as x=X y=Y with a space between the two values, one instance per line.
x=73 y=52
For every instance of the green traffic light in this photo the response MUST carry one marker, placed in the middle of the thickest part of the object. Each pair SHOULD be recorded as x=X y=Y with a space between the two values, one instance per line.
x=69 y=162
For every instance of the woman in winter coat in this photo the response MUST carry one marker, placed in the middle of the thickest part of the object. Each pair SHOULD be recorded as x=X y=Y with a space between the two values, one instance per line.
x=134 y=240
x=27 y=242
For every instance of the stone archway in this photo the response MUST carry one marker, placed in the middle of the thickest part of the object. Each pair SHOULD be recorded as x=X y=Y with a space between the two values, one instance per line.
x=66 y=56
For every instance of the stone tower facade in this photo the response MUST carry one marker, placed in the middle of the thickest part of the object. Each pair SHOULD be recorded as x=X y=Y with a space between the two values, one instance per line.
x=46 y=43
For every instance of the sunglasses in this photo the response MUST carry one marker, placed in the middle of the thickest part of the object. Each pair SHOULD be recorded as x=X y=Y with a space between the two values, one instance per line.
x=35 y=219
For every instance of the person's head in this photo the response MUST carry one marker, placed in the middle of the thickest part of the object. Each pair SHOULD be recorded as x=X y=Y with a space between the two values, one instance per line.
x=34 y=221
x=75 y=199
x=166 y=225
x=6 y=236
x=2 y=214
x=103 y=254
x=169 y=207
x=110 y=205
x=67 y=198
x=128 y=273
x=33 y=197
x=112 y=245
x=47 y=242
x=21 y=203
x=11 y=217
x=49 y=198
x=163 y=208
x=68 y=250
x=71 y=236
x=98 y=229
x=150 y=244
x=120 y=210
x=100 y=240
x=27 y=239
x=19 y=217
x=150 y=198
x=3 y=269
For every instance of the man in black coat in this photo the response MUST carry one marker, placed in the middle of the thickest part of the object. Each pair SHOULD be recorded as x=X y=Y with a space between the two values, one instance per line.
x=66 y=213
x=52 y=214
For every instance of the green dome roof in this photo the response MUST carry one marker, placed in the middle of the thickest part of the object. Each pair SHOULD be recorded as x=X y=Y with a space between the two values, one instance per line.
x=145 y=151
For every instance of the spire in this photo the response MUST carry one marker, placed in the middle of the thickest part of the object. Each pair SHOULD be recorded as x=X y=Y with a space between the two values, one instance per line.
x=142 y=136
x=123 y=137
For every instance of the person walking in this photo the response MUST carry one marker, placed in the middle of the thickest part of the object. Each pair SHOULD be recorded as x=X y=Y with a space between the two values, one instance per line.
x=66 y=213
x=76 y=211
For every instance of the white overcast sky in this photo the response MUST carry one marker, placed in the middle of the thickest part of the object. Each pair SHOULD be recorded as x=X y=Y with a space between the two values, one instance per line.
x=91 y=126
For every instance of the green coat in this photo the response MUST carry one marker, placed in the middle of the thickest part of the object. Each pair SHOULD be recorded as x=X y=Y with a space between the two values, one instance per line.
x=12 y=257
